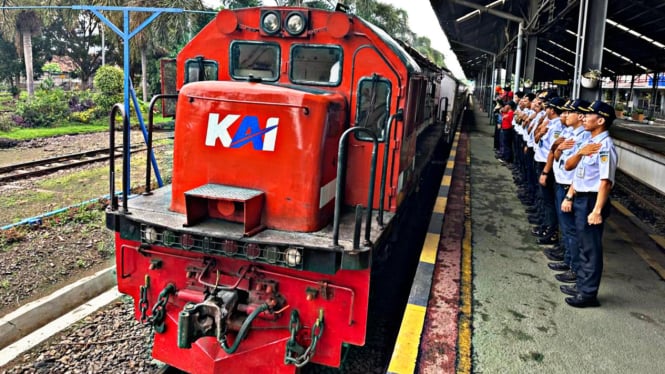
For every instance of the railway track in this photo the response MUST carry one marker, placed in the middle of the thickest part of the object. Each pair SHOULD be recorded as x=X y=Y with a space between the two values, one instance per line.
x=645 y=203
x=50 y=165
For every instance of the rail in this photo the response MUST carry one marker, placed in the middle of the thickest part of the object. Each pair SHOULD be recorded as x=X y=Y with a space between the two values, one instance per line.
x=341 y=177
x=149 y=141
x=125 y=122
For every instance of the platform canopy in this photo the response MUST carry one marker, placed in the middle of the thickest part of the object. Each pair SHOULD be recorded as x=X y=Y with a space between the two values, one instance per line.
x=634 y=34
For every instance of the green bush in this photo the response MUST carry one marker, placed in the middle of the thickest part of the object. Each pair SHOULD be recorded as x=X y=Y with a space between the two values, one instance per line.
x=84 y=116
x=45 y=109
x=108 y=82
x=6 y=122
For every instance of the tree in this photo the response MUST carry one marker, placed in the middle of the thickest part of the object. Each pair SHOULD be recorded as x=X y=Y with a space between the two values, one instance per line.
x=237 y=4
x=79 y=39
x=10 y=68
x=28 y=24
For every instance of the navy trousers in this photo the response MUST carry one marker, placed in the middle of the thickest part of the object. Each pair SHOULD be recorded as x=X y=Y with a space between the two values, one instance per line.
x=590 y=244
x=567 y=229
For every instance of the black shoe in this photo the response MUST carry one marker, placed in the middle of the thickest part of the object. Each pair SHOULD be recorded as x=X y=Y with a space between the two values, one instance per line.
x=567 y=277
x=554 y=254
x=531 y=210
x=538 y=230
x=579 y=301
x=558 y=266
x=569 y=290
x=549 y=239
x=549 y=231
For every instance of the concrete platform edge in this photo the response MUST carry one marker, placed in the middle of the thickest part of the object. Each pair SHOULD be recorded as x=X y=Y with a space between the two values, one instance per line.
x=36 y=314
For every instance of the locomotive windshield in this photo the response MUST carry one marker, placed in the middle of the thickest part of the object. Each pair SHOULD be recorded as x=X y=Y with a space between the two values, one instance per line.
x=373 y=105
x=316 y=65
x=257 y=60
x=198 y=69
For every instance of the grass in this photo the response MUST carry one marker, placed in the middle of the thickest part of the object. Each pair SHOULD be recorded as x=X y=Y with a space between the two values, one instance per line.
x=45 y=132
x=99 y=125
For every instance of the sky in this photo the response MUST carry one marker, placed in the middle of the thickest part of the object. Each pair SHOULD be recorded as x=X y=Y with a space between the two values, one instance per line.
x=423 y=22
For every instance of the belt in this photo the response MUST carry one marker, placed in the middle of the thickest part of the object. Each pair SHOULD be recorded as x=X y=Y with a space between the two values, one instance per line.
x=590 y=193
x=565 y=186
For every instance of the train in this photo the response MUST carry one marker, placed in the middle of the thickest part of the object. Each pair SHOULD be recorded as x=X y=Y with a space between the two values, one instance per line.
x=299 y=134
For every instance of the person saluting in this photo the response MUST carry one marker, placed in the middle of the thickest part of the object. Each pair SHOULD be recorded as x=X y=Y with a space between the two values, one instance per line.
x=594 y=162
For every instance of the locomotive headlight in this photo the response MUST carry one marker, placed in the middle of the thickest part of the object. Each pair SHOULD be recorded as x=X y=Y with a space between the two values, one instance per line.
x=295 y=23
x=293 y=257
x=150 y=235
x=270 y=22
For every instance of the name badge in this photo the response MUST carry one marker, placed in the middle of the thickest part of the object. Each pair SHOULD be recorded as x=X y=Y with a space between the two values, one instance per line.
x=580 y=172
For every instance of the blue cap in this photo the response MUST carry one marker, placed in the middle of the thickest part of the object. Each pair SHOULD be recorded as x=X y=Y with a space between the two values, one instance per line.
x=556 y=103
x=600 y=108
x=576 y=105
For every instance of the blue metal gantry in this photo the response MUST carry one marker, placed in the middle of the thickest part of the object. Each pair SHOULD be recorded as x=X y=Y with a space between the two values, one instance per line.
x=129 y=93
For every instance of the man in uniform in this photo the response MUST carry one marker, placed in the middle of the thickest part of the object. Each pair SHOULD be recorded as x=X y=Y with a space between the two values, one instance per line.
x=595 y=165
x=546 y=136
x=574 y=133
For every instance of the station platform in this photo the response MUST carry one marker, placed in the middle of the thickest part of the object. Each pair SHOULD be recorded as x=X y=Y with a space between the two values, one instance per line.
x=651 y=137
x=493 y=306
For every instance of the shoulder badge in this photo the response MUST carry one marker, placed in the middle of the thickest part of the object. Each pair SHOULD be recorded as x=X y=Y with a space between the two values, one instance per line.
x=604 y=156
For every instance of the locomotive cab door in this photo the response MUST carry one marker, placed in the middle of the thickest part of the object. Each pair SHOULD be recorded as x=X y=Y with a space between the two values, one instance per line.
x=374 y=98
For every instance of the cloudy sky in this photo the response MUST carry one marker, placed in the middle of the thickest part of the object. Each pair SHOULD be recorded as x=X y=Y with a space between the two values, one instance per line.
x=422 y=21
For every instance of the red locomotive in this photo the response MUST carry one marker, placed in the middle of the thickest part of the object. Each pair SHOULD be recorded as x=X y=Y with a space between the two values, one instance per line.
x=299 y=133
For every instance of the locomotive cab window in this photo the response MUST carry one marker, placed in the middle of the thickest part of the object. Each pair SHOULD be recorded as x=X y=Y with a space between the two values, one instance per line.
x=373 y=107
x=254 y=60
x=199 y=69
x=316 y=65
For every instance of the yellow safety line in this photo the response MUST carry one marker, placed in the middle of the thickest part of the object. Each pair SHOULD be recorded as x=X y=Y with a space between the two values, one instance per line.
x=466 y=297
x=445 y=181
x=430 y=248
x=440 y=204
x=405 y=353
x=640 y=252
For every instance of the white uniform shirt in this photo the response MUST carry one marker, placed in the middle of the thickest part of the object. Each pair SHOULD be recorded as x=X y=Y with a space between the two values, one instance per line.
x=561 y=175
x=593 y=168
x=530 y=140
x=554 y=128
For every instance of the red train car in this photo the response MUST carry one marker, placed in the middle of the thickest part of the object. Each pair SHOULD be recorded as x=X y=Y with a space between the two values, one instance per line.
x=299 y=133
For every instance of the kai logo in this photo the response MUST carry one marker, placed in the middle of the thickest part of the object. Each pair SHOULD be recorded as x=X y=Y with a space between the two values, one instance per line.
x=249 y=131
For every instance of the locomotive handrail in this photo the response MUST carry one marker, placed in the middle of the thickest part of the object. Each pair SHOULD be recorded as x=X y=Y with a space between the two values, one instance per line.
x=384 y=167
x=341 y=176
x=149 y=142
x=114 y=199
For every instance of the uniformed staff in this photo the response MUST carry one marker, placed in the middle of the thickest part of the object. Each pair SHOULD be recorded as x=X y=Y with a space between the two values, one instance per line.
x=545 y=137
x=574 y=133
x=595 y=165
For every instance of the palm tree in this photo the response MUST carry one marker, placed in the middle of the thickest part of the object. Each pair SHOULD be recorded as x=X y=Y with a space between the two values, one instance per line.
x=28 y=24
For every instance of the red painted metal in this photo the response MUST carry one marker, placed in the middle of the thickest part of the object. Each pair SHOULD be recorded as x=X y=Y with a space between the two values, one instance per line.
x=344 y=307
x=291 y=182
x=365 y=53
x=266 y=155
